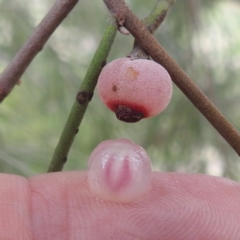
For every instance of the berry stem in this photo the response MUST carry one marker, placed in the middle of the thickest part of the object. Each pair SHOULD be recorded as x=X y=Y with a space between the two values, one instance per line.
x=12 y=73
x=83 y=98
x=179 y=77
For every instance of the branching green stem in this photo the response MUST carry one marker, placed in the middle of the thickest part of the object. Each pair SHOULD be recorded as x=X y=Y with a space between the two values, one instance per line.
x=83 y=98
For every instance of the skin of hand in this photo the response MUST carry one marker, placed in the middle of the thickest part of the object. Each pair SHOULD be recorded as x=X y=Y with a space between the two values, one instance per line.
x=60 y=206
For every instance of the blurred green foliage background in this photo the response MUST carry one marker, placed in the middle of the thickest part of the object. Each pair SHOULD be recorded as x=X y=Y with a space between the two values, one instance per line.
x=202 y=36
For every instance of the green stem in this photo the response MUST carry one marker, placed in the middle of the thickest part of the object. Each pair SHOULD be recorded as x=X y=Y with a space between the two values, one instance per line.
x=152 y=22
x=158 y=14
x=83 y=98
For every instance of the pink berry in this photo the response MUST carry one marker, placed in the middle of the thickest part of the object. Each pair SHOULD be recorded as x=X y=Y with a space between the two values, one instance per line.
x=135 y=89
x=119 y=170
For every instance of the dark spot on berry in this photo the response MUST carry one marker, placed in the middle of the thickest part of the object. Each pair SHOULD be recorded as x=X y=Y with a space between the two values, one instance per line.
x=127 y=114
x=65 y=159
x=114 y=88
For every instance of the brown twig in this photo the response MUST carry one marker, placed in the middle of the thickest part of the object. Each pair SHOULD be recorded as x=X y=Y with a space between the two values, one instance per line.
x=11 y=75
x=179 y=77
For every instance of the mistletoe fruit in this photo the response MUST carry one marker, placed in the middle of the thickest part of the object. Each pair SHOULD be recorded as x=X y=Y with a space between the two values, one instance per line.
x=135 y=89
x=119 y=170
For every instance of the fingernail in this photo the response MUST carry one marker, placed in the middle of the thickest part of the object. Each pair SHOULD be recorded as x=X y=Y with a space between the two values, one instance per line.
x=120 y=171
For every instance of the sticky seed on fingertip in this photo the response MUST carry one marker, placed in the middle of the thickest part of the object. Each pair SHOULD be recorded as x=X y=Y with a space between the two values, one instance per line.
x=119 y=171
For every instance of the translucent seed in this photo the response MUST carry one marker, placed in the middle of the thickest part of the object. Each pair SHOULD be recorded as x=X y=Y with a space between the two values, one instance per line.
x=120 y=171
